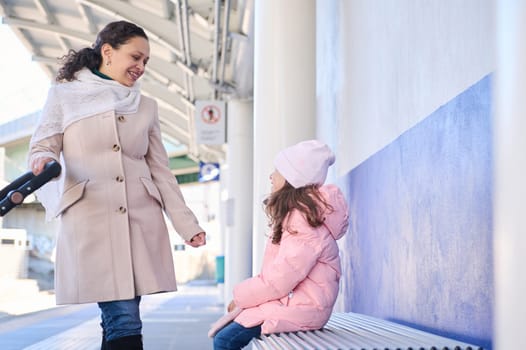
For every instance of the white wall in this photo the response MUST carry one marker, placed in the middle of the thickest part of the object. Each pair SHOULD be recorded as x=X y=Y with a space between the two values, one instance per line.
x=399 y=61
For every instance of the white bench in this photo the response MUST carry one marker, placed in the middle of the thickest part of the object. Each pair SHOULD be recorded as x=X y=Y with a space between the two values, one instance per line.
x=354 y=331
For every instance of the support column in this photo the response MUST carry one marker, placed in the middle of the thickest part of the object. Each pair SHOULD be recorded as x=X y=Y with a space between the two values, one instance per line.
x=510 y=176
x=223 y=211
x=284 y=93
x=238 y=242
x=4 y=182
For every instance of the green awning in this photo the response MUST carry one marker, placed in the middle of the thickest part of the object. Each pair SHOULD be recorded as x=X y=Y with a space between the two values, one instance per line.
x=185 y=169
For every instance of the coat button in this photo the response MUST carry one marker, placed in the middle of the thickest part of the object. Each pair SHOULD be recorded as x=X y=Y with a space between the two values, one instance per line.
x=122 y=210
x=121 y=118
x=119 y=178
x=116 y=148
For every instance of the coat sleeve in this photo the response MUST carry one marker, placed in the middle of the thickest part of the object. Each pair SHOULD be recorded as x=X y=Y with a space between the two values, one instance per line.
x=182 y=218
x=46 y=140
x=48 y=147
x=299 y=250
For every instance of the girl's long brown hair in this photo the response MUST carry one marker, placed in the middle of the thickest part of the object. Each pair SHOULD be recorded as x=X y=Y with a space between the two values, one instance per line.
x=307 y=200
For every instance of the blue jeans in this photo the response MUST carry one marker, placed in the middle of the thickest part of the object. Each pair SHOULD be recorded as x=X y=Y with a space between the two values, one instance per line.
x=234 y=336
x=120 y=318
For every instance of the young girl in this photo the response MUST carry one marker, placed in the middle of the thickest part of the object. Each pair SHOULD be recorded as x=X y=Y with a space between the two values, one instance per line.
x=299 y=278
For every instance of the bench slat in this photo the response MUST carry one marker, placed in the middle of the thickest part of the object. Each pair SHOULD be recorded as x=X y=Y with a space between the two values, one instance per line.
x=376 y=337
x=298 y=341
x=386 y=328
x=353 y=331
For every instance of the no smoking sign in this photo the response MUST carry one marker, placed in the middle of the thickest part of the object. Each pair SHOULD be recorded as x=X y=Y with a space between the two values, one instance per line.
x=210 y=122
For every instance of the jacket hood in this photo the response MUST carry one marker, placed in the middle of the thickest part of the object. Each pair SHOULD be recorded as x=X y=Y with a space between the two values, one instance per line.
x=337 y=219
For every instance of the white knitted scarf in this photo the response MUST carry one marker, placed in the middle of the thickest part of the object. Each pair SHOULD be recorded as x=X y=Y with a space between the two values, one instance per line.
x=85 y=97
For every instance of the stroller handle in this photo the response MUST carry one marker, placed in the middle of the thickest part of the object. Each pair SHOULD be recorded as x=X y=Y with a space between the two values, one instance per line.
x=15 y=192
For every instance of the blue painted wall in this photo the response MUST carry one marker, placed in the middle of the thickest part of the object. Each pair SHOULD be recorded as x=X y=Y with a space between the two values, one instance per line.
x=420 y=244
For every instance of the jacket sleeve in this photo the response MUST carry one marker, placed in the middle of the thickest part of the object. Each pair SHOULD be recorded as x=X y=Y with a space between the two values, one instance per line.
x=299 y=251
x=182 y=218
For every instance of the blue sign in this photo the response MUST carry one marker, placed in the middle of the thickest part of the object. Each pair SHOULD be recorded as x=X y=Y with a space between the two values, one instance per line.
x=208 y=172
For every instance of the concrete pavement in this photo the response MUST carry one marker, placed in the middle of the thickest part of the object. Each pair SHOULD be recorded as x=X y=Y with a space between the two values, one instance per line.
x=178 y=321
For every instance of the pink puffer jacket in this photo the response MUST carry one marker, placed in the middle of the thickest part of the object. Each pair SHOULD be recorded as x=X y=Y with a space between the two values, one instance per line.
x=299 y=279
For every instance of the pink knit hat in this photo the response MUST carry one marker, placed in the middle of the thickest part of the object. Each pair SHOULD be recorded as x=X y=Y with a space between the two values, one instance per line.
x=305 y=163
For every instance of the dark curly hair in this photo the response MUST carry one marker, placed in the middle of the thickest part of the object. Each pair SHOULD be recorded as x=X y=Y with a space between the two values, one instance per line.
x=114 y=34
x=307 y=200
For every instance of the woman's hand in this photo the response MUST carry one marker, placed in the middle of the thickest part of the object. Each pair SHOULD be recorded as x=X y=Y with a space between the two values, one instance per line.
x=231 y=306
x=37 y=164
x=197 y=240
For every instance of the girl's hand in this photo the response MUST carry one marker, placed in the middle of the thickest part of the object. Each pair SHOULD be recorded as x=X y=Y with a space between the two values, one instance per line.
x=37 y=164
x=231 y=306
x=197 y=240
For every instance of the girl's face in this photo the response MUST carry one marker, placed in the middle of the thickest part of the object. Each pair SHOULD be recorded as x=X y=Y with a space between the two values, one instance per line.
x=127 y=63
x=277 y=181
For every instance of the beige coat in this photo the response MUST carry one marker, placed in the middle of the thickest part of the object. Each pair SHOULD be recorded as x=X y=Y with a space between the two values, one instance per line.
x=113 y=243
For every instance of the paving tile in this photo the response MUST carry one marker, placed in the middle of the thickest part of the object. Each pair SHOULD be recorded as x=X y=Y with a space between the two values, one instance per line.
x=170 y=321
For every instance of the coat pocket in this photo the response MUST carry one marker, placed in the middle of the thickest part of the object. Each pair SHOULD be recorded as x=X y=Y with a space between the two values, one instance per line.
x=152 y=190
x=71 y=196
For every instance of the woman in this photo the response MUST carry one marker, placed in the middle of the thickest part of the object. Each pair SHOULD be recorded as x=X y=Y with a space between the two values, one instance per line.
x=298 y=283
x=113 y=244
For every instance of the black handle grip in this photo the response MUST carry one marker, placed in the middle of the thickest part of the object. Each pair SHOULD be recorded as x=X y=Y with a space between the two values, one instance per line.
x=19 y=181
x=14 y=193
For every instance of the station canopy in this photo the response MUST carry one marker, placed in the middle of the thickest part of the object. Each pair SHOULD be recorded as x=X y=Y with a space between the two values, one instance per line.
x=193 y=56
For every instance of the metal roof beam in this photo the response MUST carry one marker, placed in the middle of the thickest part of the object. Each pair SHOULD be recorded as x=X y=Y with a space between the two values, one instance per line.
x=50 y=28
x=224 y=44
x=165 y=96
x=51 y=19
x=44 y=8
x=204 y=30
x=167 y=9
x=5 y=11
x=165 y=118
x=51 y=61
x=160 y=68
x=168 y=129
x=159 y=28
x=87 y=17
x=168 y=98
x=186 y=32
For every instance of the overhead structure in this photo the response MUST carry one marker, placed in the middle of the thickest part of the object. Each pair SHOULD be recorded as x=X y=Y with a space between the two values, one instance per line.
x=200 y=50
